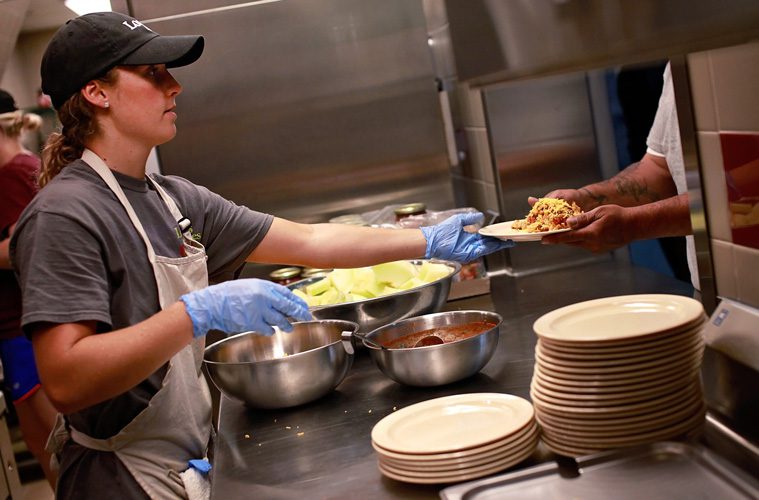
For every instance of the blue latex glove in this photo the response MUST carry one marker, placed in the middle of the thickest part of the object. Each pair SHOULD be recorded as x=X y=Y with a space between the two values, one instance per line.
x=449 y=241
x=243 y=306
x=201 y=465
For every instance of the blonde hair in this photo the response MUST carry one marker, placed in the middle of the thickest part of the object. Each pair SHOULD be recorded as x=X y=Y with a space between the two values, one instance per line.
x=77 y=117
x=14 y=122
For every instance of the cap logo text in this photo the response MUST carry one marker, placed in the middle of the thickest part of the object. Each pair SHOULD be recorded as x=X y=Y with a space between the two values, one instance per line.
x=134 y=25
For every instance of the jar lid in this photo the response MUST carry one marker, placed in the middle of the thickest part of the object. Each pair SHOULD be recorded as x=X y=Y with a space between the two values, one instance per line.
x=310 y=272
x=411 y=209
x=284 y=273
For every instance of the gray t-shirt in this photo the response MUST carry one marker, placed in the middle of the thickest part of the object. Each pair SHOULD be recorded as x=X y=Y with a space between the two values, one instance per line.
x=79 y=258
x=664 y=140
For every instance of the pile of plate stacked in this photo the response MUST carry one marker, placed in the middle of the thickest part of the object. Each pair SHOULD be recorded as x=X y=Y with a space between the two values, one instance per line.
x=618 y=371
x=455 y=438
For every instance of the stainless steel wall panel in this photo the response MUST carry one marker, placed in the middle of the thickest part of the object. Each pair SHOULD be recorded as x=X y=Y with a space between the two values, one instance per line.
x=545 y=109
x=475 y=193
x=439 y=41
x=150 y=10
x=12 y=13
x=480 y=165
x=470 y=106
x=543 y=138
x=498 y=40
x=603 y=124
x=310 y=108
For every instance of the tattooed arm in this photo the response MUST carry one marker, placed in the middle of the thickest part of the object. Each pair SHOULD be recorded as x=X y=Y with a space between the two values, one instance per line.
x=647 y=181
x=607 y=227
x=641 y=202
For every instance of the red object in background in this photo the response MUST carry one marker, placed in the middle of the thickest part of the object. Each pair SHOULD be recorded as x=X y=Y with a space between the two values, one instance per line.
x=740 y=157
x=470 y=271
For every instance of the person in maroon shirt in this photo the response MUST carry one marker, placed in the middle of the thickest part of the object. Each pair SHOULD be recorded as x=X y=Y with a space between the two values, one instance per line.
x=19 y=170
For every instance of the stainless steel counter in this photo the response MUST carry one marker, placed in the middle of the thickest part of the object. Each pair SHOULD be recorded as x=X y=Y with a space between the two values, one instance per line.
x=323 y=449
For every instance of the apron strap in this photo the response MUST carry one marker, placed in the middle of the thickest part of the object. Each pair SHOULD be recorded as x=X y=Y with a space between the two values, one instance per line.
x=94 y=161
x=183 y=222
x=91 y=442
x=176 y=423
x=101 y=168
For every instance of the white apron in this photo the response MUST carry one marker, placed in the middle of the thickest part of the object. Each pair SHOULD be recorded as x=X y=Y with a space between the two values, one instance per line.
x=176 y=425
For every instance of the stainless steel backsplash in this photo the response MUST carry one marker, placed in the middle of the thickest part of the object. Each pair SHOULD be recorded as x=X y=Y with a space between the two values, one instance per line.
x=307 y=109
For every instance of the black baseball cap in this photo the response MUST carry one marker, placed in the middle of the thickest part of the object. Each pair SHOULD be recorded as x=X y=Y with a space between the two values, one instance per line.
x=7 y=104
x=89 y=46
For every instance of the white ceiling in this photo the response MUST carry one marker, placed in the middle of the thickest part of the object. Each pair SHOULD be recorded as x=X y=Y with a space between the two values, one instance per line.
x=46 y=15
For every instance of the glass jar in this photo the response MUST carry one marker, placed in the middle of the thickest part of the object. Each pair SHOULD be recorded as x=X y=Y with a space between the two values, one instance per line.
x=350 y=219
x=313 y=272
x=285 y=275
x=409 y=209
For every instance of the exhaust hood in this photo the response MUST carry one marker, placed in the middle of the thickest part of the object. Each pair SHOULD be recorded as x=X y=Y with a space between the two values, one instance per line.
x=499 y=40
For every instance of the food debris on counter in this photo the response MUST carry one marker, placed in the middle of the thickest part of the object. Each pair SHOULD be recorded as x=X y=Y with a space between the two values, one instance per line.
x=370 y=411
x=247 y=436
x=288 y=427
x=300 y=434
x=395 y=408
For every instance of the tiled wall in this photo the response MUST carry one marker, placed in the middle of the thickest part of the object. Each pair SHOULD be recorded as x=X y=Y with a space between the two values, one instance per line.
x=725 y=90
x=474 y=175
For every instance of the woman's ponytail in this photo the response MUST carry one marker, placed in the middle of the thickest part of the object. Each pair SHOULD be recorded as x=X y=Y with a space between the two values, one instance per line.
x=63 y=147
x=77 y=117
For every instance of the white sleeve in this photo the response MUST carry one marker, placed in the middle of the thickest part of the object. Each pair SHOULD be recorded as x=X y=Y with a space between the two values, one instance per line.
x=657 y=135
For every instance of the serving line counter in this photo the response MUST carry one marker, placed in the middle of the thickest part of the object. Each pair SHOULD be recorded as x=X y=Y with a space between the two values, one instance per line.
x=323 y=449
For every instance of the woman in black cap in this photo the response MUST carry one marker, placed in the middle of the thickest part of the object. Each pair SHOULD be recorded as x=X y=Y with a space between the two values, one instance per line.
x=19 y=169
x=115 y=265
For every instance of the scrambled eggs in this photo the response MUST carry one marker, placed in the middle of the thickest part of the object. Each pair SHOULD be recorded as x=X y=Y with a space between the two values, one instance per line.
x=547 y=214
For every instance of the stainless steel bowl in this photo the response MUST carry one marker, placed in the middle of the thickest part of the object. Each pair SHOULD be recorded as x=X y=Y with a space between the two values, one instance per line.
x=439 y=364
x=374 y=313
x=284 y=369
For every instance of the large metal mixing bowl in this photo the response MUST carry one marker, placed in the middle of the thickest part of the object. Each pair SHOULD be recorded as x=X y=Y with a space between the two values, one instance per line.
x=284 y=369
x=373 y=313
x=438 y=364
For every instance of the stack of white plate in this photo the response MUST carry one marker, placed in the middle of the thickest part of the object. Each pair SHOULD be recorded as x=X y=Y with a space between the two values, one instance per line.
x=455 y=438
x=618 y=371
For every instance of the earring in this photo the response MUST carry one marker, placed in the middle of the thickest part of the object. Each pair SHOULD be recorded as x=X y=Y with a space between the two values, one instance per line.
x=107 y=104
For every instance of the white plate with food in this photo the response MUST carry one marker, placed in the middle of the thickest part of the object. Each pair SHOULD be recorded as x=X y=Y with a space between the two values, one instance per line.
x=547 y=216
x=504 y=231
